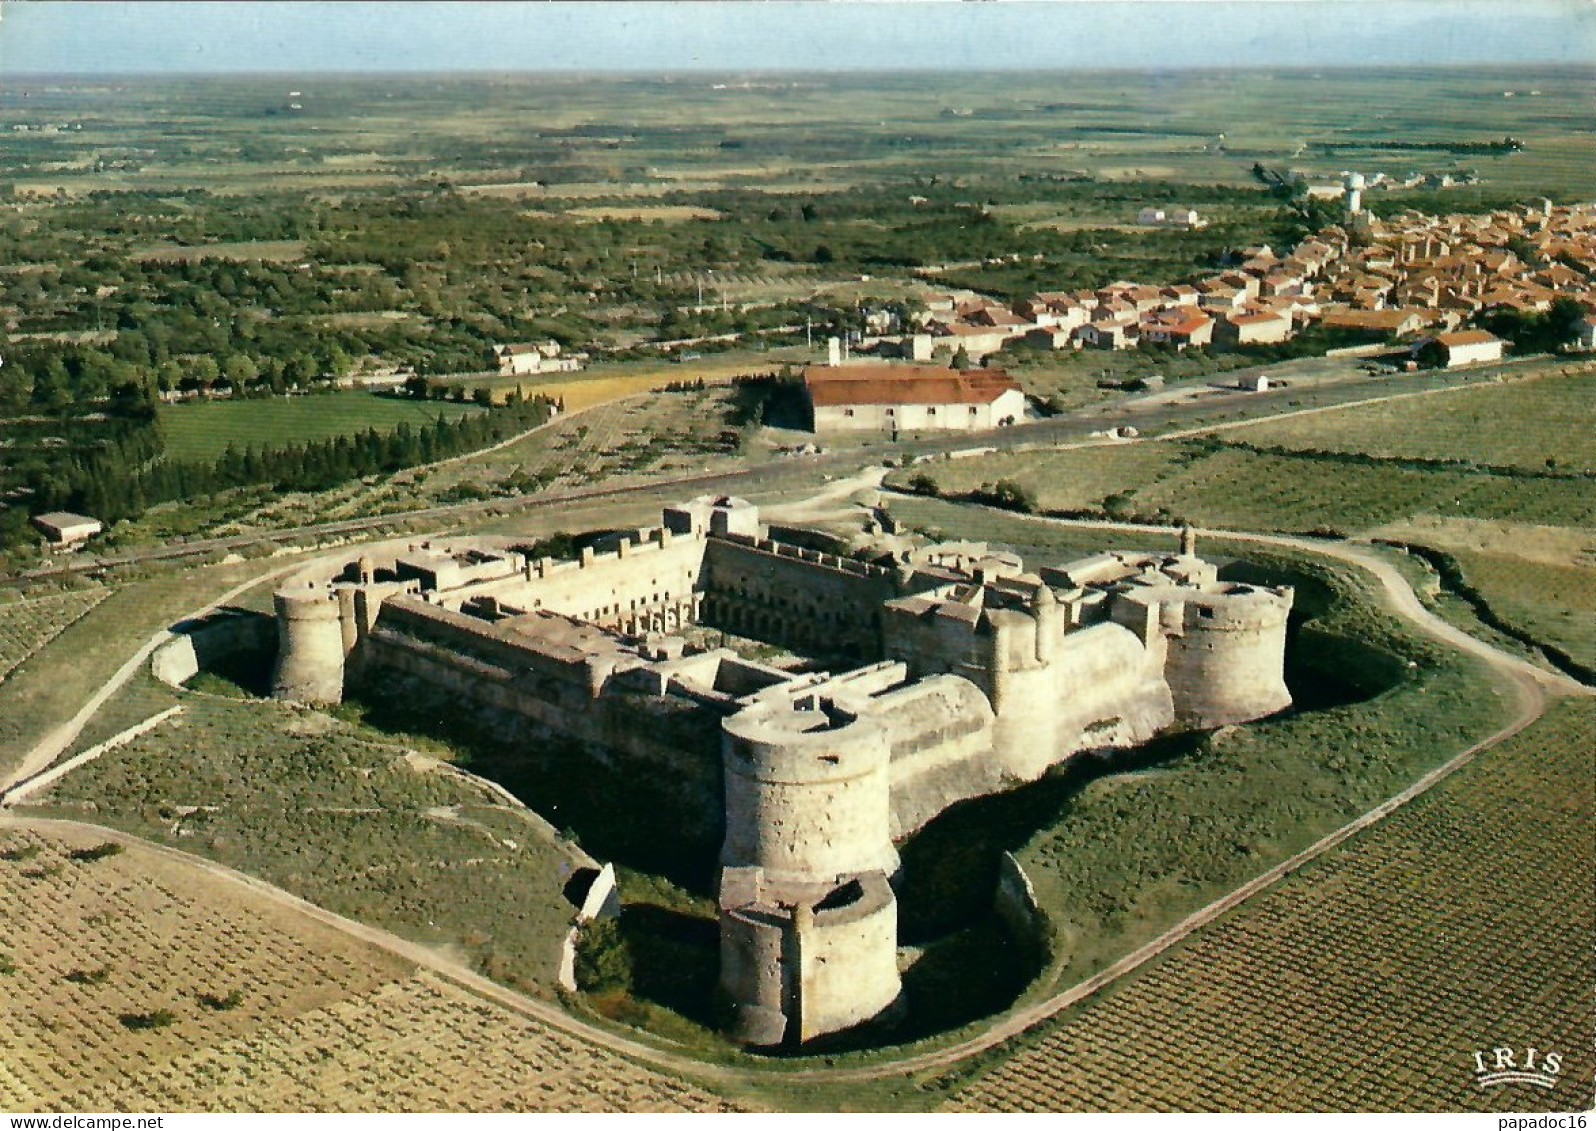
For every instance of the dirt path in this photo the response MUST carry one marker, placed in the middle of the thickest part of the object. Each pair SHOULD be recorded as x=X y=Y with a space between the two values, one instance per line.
x=831 y=502
x=1396 y=594
x=11 y=795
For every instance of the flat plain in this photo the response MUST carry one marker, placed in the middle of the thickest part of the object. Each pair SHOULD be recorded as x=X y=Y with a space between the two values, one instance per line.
x=600 y=144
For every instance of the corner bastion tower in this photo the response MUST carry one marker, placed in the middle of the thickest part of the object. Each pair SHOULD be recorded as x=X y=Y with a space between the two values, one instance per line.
x=961 y=672
x=809 y=924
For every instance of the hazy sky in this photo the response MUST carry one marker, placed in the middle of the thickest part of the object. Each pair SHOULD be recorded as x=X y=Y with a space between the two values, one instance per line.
x=47 y=36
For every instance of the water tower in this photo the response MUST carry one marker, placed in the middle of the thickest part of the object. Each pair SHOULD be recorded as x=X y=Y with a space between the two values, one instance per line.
x=1354 y=184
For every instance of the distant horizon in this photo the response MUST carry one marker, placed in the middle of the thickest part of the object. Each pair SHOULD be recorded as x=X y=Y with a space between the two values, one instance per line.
x=700 y=72
x=203 y=37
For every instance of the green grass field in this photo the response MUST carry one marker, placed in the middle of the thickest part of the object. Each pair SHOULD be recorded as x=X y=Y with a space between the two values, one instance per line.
x=202 y=431
x=1550 y=418
x=1551 y=602
x=1365 y=981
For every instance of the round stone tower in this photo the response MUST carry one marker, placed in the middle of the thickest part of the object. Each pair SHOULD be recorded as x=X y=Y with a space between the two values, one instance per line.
x=811 y=960
x=1227 y=664
x=808 y=921
x=310 y=646
x=807 y=793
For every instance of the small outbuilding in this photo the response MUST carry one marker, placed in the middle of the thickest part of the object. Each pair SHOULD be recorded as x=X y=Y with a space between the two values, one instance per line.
x=66 y=529
x=1468 y=347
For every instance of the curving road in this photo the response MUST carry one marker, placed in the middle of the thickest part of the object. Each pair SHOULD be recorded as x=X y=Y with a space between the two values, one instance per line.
x=1160 y=412
x=1529 y=685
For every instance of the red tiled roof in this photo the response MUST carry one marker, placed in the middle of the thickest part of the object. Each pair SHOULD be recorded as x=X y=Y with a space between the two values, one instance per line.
x=882 y=384
x=1467 y=338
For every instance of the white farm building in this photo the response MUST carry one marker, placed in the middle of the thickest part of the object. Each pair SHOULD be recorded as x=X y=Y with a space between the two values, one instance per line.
x=906 y=398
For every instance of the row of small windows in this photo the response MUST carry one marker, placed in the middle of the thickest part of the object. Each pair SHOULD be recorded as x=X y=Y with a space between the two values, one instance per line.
x=606 y=610
x=931 y=410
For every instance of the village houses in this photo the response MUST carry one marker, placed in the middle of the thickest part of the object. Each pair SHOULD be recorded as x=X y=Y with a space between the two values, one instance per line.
x=1387 y=280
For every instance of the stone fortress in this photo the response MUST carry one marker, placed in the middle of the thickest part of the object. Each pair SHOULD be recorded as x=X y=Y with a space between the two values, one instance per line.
x=970 y=674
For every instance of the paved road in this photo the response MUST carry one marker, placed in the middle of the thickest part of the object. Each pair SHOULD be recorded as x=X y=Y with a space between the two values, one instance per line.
x=1154 y=414
x=1528 y=684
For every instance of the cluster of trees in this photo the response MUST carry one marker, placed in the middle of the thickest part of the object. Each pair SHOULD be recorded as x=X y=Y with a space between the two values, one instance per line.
x=121 y=478
x=1508 y=144
x=1537 y=331
x=428 y=278
x=1007 y=494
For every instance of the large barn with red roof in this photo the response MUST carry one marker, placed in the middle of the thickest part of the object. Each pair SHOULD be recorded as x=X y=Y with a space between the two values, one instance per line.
x=910 y=398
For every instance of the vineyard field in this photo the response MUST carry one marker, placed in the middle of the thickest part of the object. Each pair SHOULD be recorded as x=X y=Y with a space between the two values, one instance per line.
x=1230 y=486
x=1268 y=491
x=90 y=942
x=28 y=625
x=417 y=1045
x=1519 y=424
x=1366 y=980
x=139 y=983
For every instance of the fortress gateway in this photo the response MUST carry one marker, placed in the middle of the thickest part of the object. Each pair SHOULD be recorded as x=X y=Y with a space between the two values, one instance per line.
x=969 y=674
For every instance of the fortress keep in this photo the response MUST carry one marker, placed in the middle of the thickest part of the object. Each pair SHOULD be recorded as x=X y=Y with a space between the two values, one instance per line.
x=959 y=673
